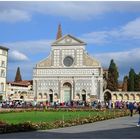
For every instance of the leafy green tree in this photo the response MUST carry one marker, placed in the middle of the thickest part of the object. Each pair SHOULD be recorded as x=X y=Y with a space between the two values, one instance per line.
x=131 y=80
x=112 y=82
x=18 y=75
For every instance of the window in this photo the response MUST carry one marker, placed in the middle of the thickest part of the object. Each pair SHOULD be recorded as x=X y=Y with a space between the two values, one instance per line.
x=3 y=52
x=3 y=63
x=2 y=87
x=2 y=73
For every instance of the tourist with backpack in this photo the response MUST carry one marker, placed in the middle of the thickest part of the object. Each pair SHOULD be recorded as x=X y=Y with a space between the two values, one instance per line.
x=131 y=108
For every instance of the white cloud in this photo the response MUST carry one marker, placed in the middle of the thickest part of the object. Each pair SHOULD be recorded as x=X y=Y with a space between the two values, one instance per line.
x=124 y=60
x=16 y=56
x=30 y=47
x=82 y=10
x=13 y=15
x=99 y=38
x=124 y=57
x=22 y=51
x=73 y=10
x=131 y=29
x=128 y=31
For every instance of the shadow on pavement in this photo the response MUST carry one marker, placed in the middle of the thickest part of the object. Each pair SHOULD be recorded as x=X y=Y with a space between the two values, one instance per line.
x=124 y=133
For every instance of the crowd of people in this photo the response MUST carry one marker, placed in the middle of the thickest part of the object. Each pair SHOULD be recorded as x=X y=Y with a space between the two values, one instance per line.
x=95 y=104
x=30 y=104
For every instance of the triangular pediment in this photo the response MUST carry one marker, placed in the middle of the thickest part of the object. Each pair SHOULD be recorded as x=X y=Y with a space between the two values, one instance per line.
x=68 y=40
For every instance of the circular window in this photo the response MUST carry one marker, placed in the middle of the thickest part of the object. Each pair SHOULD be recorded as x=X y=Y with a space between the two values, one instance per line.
x=68 y=61
x=68 y=40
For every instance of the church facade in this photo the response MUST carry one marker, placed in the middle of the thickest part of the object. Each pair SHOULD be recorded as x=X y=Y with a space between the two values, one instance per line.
x=68 y=73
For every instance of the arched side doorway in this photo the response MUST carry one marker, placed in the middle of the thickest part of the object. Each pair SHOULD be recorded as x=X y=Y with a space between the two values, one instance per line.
x=45 y=96
x=51 y=95
x=40 y=95
x=22 y=97
x=0 y=97
x=107 y=96
x=77 y=97
x=67 y=91
x=83 y=95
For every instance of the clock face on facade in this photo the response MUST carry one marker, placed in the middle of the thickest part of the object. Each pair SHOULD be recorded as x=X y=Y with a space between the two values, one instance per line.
x=68 y=61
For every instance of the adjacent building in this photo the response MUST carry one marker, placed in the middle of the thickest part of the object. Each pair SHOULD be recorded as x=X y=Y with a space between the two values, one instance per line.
x=3 y=71
x=20 y=90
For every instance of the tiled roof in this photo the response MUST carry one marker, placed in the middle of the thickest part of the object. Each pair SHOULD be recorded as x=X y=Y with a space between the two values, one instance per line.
x=21 y=83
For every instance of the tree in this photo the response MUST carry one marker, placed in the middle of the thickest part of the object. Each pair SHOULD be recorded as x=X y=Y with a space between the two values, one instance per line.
x=125 y=83
x=18 y=75
x=137 y=82
x=112 y=82
x=131 y=80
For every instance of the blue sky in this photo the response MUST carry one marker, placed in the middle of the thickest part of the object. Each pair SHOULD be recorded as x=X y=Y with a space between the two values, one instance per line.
x=110 y=29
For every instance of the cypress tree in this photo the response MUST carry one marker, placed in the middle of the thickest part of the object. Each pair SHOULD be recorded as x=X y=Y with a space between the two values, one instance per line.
x=131 y=80
x=125 y=83
x=137 y=82
x=112 y=82
x=18 y=75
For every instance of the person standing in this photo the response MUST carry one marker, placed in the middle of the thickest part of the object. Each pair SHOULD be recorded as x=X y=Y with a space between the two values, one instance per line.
x=131 y=108
x=138 y=110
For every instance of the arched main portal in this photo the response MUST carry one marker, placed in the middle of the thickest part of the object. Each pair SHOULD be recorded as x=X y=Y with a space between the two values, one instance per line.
x=107 y=96
x=67 y=89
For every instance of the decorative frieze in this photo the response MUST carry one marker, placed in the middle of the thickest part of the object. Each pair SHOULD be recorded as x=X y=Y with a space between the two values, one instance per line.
x=45 y=72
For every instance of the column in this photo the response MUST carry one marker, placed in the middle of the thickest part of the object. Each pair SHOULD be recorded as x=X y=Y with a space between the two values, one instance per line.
x=73 y=89
x=101 y=89
x=35 y=89
x=93 y=86
x=59 y=89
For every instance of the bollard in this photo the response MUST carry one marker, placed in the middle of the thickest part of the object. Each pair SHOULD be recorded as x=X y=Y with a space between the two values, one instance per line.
x=109 y=112
x=78 y=117
x=114 y=113
x=89 y=115
x=63 y=120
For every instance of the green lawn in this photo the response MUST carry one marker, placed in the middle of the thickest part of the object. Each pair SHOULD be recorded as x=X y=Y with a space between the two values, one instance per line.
x=38 y=116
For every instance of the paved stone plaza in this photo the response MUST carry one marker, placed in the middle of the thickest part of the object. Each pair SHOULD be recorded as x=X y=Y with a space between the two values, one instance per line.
x=123 y=128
